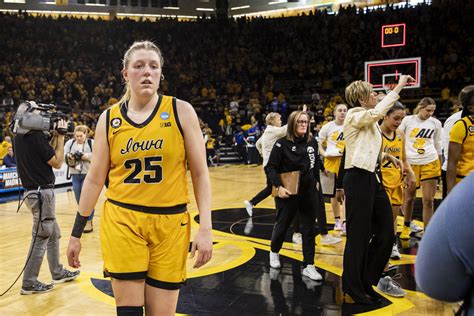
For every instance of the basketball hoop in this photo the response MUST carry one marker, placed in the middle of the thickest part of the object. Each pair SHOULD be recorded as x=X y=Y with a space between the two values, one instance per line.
x=389 y=87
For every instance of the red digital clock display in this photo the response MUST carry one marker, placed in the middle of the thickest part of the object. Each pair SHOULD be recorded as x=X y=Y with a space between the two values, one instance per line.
x=393 y=35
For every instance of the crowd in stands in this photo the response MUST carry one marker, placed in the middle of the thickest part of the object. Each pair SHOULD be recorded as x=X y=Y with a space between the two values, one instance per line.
x=237 y=70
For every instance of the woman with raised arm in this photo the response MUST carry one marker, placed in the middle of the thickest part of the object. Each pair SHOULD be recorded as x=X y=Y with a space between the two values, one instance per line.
x=368 y=210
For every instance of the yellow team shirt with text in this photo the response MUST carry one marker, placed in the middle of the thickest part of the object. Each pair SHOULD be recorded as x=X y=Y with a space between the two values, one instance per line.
x=148 y=163
x=391 y=176
x=463 y=133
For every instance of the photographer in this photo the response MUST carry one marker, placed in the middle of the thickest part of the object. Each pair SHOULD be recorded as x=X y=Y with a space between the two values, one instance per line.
x=78 y=152
x=35 y=161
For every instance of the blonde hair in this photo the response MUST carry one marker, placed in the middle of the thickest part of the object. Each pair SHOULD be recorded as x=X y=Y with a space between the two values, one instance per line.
x=358 y=90
x=81 y=128
x=271 y=118
x=423 y=104
x=147 y=45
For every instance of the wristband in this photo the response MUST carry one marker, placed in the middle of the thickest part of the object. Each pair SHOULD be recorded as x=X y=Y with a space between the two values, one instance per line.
x=79 y=225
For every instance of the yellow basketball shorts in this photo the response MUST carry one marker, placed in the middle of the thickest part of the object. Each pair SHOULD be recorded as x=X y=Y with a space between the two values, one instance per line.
x=332 y=164
x=137 y=245
x=430 y=171
x=395 y=195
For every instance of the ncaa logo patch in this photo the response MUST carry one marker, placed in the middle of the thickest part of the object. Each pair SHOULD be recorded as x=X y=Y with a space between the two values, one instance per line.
x=116 y=122
x=164 y=115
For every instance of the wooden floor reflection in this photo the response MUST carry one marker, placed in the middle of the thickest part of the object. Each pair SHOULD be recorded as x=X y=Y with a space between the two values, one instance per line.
x=236 y=281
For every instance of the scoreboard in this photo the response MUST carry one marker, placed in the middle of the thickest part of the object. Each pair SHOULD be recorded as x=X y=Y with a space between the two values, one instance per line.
x=393 y=35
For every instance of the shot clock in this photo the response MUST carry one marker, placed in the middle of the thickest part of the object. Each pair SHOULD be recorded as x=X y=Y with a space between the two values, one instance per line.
x=393 y=35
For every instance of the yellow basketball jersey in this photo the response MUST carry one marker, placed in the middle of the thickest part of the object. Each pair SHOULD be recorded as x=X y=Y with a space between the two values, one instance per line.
x=463 y=133
x=391 y=175
x=148 y=163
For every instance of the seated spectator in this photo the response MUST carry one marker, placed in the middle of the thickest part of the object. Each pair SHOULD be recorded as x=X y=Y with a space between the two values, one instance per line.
x=5 y=143
x=9 y=159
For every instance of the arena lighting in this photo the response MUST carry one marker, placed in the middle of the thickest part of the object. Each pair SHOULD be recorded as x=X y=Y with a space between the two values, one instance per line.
x=95 y=4
x=204 y=9
x=171 y=8
x=282 y=10
x=241 y=7
x=48 y=2
x=156 y=15
x=260 y=13
x=66 y=12
x=278 y=2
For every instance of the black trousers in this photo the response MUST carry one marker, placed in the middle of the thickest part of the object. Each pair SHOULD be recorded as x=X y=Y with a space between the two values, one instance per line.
x=320 y=215
x=369 y=232
x=262 y=195
x=303 y=205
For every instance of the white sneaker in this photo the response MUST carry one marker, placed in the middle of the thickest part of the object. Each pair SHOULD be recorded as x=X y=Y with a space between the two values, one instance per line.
x=311 y=272
x=395 y=252
x=275 y=260
x=329 y=240
x=248 y=207
x=344 y=230
x=414 y=229
x=338 y=225
x=297 y=238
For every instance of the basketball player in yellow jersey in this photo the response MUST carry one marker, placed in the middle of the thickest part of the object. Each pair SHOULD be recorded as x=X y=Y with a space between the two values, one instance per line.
x=393 y=144
x=423 y=148
x=142 y=145
x=461 y=141
x=331 y=147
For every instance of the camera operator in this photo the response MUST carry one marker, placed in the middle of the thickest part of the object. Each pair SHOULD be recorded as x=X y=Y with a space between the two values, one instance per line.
x=78 y=152
x=35 y=161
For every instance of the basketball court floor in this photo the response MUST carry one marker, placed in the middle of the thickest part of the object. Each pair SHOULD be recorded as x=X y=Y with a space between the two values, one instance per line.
x=237 y=281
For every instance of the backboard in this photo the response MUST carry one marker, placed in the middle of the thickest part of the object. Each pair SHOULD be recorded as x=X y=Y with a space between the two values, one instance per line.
x=382 y=74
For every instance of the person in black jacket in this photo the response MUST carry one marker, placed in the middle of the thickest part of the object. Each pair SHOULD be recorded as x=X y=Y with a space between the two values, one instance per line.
x=298 y=151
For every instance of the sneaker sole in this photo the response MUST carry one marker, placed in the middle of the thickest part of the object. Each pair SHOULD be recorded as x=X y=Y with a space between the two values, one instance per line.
x=391 y=294
x=64 y=280
x=24 y=292
x=319 y=278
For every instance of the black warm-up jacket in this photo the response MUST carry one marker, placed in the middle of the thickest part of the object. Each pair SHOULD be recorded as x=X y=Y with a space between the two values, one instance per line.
x=300 y=156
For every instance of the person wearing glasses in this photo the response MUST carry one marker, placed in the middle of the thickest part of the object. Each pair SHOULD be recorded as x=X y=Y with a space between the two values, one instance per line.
x=297 y=151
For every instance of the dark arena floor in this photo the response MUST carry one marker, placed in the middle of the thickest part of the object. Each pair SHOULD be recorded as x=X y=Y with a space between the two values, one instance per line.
x=237 y=281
